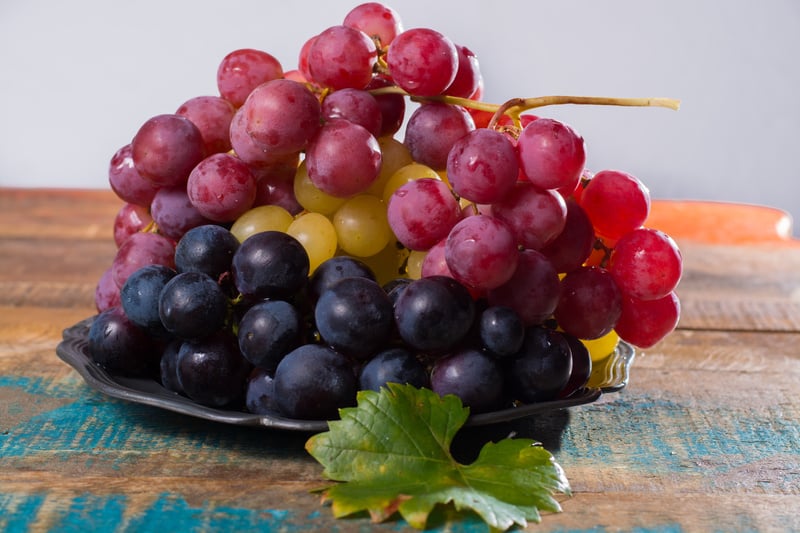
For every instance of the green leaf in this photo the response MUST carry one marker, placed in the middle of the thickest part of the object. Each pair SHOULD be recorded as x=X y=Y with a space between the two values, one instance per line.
x=392 y=453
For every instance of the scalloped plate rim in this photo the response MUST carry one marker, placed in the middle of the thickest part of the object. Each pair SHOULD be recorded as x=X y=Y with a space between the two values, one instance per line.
x=146 y=391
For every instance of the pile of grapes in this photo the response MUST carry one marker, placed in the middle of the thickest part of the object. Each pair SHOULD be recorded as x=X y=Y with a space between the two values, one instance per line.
x=279 y=249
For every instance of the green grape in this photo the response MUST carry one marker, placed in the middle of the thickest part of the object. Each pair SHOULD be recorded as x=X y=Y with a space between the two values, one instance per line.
x=406 y=173
x=602 y=347
x=389 y=263
x=317 y=235
x=414 y=265
x=394 y=156
x=361 y=226
x=311 y=197
x=261 y=218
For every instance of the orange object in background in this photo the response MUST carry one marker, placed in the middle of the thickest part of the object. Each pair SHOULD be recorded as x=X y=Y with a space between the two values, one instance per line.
x=722 y=222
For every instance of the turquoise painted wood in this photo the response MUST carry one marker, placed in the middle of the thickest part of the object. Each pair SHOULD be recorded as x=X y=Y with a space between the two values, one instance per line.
x=706 y=437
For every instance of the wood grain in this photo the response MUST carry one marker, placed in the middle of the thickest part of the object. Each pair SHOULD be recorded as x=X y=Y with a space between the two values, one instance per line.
x=705 y=437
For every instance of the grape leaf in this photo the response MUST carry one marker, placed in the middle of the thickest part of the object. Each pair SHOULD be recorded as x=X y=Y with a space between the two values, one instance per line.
x=392 y=453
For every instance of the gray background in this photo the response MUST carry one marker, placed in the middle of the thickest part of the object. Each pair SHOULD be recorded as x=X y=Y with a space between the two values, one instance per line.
x=79 y=78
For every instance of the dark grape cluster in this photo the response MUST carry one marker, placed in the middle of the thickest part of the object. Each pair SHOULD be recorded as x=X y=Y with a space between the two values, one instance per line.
x=256 y=332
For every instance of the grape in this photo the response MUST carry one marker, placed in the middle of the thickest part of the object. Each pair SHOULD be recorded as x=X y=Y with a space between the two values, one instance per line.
x=354 y=316
x=168 y=366
x=433 y=314
x=602 y=347
x=212 y=372
x=481 y=252
x=268 y=331
x=243 y=70
x=435 y=263
x=433 y=129
x=422 y=212
x=139 y=297
x=277 y=193
x=192 y=305
x=394 y=156
x=405 y=174
x=317 y=235
x=535 y=216
x=343 y=159
x=342 y=57
x=376 y=20
x=106 y=293
x=571 y=248
x=166 y=149
x=281 y=116
x=125 y=180
x=222 y=187
x=313 y=382
x=542 y=367
x=532 y=291
x=392 y=106
x=207 y=249
x=581 y=367
x=590 y=303
x=260 y=393
x=390 y=262
x=361 y=224
x=422 y=61
x=174 y=213
x=646 y=264
x=311 y=197
x=261 y=218
x=501 y=331
x=334 y=269
x=482 y=166
x=472 y=376
x=551 y=154
x=119 y=345
x=130 y=219
x=248 y=150
x=645 y=322
x=615 y=202
x=141 y=249
x=414 y=263
x=468 y=74
x=355 y=105
x=394 y=365
x=212 y=115
x=270 y=264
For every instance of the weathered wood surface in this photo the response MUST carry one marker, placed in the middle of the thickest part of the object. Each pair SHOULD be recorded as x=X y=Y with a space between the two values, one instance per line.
x=706 y=437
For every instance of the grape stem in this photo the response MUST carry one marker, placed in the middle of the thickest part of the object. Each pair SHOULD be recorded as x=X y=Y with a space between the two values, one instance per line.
x=516 y=106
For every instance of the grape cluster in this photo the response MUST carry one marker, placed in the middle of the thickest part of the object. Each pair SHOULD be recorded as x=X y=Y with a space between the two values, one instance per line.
x=279 y=248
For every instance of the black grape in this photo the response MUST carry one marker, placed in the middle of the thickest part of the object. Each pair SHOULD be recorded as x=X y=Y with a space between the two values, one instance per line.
x=581 y=366
x=169 y=366
x=268 y=331
x=207 y=249
x=192 y=305
x=471 y=375
x=139 y=297
x=119 y=345
x=212 y=371
x=501 y=330
x=260 y=393
x=394 y=365
x=334 y=269
x=542 y=366
x=270 y=264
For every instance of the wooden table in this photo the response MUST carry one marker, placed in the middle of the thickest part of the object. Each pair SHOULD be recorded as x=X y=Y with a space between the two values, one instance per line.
x=706 y=437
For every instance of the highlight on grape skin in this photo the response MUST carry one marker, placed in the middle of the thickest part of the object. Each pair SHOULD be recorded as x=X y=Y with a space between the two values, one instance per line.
x=280 y=244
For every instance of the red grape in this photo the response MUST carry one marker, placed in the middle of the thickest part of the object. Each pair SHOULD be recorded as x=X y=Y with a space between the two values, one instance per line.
x=222 y=187
x=166 y=148
x=422 y=61
x=422 y=212
x=376 y=20
x=572 y=247
x=342 y=57
x=646 y=264
x=125 y=180
x=433 y=129
x=551 y=154
x=174 y=213
x=356 y=106
x=532 y=291
x=536 y=216
x=468 y=74
x=645 y=322
x=243 y=70
x=212 y=115
x=590 y=303
x=482 y=166
x=616 y=203
x=130 y=219
x=481 y=252
x=141 y=249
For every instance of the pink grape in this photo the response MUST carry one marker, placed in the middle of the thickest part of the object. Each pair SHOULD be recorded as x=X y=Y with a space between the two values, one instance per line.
x=532 y=291
x=281 y=116
x=392 y=106
x=302 y=59
x=422 y=212
x=433 y=129
x=616 y=203
x=356 y=106
x=342 y=57
x=468 y=74
x=130 y=219
x=434 y=263
x=481 y=252
x=482 y=166
x=643 y=323
x=646 y=264
x=536 y=216
x=212 y=115
x=139 y=250
x=590 y=303
x=248 y=150
x=571 y=248
x=106 y=293
x=125 y=180
x=376 y=20
x=343 y=159
x=551 y=154
x=243 y=70
x=174 y=213
x=222 y=187
x=280 y=193
x=422 y=61
x=166 y=148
